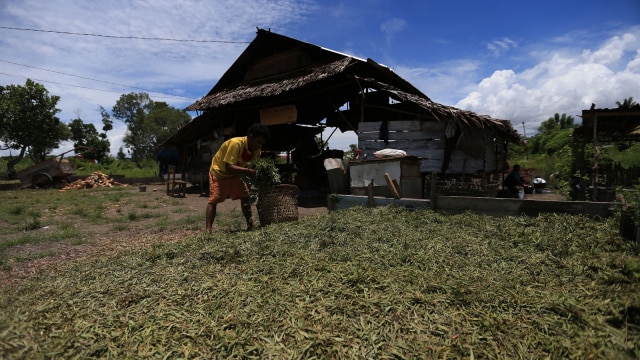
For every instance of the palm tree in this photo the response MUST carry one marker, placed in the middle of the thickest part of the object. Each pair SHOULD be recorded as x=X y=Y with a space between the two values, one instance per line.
x=627 y=103
x=557 y=122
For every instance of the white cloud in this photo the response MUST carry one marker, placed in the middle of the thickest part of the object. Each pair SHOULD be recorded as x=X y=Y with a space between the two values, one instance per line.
x=613 y=50
x=392 y=27
x=499 y=47
x=563 y=82
x=445 y=82
x=181 y=68
x=634 y=65
x=558 y=77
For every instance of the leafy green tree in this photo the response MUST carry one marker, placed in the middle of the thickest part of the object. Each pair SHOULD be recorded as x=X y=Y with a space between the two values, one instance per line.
x=553 y=134
x=132 y=109
x=121 y=155
x=351 y=153
x=148 y=123
x=107 y=123
x=91 y=144
x=86 y=136
x=624 y=153
x=28 y=122
x=164 y=121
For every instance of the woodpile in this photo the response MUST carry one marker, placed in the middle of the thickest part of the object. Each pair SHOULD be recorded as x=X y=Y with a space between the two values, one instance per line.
x=95 y=180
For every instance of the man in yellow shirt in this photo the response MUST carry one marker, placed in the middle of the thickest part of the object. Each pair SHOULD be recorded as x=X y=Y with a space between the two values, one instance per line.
x=228 y=165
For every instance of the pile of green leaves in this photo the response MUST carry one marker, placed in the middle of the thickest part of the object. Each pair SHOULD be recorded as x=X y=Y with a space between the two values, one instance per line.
x=358 y=283
x=267 y=174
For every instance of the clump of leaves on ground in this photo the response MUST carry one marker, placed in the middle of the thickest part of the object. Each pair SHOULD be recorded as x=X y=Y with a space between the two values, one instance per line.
x=357 y=283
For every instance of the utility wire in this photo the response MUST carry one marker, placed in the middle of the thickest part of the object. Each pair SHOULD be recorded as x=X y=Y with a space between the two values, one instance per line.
x=125 y=37
x=89 y=88
x=88 y=78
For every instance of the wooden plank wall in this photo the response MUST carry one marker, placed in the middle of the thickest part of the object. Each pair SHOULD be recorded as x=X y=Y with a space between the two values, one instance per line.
x=425 y=140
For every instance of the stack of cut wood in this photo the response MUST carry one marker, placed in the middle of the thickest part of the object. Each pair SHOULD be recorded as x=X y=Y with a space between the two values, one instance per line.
x=96 y=179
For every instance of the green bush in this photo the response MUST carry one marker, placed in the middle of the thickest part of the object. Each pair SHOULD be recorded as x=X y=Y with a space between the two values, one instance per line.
x=128 y=168
x=632 y=204
x=82 y=167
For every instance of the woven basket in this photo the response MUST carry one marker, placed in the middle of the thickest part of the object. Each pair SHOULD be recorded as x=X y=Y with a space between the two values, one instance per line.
x=277 y=204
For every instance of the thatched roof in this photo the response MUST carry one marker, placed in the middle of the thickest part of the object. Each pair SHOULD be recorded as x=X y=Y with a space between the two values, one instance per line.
x=276 y=70
x=273 y=88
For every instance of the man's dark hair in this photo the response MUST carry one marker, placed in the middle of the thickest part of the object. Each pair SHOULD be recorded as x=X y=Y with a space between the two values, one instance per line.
x=259 y=130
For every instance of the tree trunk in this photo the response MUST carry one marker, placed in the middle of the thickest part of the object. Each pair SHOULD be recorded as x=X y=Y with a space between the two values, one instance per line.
x=11 y=172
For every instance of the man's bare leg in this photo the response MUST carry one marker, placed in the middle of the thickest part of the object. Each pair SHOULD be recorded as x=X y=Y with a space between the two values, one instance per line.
x=211 y=215
x=245 y=204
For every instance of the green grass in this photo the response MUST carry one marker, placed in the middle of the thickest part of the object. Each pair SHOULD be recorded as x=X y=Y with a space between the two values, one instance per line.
x=32 y=223
x=362 y=283
x=119 y=227
x=34 y=235
x=148 y=168
x=16 y=209
x=67 y=214
x=136 y=216
x=39 y=255
x=195 y=222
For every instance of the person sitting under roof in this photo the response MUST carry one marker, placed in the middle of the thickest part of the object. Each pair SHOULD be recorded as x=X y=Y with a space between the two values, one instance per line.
x=513 y=181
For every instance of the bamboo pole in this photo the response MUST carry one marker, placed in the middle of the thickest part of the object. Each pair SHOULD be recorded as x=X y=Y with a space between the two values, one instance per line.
x=433 y=195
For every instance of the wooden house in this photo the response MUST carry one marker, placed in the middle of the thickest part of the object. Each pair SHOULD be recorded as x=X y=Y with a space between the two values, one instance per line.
x=298 y=89
x=603 y=127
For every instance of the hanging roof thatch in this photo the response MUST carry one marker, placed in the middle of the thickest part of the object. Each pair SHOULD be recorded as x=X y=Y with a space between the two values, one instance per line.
x=463 y=118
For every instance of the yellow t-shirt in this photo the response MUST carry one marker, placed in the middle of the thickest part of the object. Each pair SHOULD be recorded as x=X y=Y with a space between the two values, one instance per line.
x=234 y=151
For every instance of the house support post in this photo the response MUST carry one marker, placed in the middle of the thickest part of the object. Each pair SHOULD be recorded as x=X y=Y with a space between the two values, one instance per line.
x=433 y=192
x=596 y=156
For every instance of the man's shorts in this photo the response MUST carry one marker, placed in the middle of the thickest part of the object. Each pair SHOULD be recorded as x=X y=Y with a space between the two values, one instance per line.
x=221 y=189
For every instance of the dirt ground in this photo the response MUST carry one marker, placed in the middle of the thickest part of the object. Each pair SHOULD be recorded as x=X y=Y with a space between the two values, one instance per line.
x=103 y=241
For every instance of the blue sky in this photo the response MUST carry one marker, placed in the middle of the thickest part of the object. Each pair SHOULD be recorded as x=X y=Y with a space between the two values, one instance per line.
x=521 y=61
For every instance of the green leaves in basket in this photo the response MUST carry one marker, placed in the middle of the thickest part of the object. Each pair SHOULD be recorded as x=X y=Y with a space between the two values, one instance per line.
x=267 y=174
